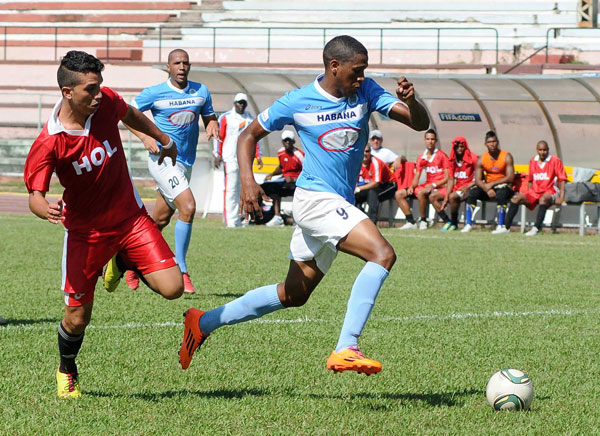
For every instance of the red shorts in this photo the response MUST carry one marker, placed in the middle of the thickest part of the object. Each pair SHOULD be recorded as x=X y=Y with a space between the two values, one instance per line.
x=441 y=190
x=534 y=197
x=138 y=240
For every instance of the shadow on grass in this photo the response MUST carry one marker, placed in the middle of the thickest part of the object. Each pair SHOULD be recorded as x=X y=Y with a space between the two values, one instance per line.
x=436 y=399
x=15 y=322
x=159 y=396
x=227 y=295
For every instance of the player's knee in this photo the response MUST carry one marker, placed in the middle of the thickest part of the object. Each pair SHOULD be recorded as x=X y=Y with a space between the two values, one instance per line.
x=172 y=292
x=385 y=256
x=77 y=322
x=188 y=209
x=295 y=296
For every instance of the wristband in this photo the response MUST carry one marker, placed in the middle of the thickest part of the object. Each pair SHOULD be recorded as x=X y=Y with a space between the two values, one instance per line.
x=169 y=145
x=434 y=185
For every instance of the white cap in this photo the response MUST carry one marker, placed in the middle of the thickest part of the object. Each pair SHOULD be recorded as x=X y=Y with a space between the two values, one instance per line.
x=240 y=96
x=375 y=134
x=288 y=134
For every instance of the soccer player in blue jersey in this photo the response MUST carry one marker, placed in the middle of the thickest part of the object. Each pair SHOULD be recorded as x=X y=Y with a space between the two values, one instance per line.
x=331 y=117
x=176 y=106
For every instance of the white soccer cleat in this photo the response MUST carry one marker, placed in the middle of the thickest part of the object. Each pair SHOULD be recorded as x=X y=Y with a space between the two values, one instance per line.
x=422 y=225
x=533 y=232
x=467 y=228
x=276 y=221
x=408 y=226
x=500 y=230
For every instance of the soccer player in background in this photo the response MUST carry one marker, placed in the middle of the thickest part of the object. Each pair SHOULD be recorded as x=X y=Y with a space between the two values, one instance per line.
x=435 y=164
x=177 y=105
x=290 y=167
x=331 y=116
x=494 y=174
x=462 y=179
x=376 y=183
x=546 y=186
x=231 y=124
x=101 y=211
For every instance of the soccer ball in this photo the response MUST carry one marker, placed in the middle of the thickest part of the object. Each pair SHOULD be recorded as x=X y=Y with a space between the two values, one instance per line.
x=509 y=389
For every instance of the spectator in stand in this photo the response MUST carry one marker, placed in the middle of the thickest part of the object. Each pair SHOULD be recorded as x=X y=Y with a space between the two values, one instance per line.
x=546 y=186
x=375 y=184
x=231 y=125
x=435 y=164
x=494 y=174
x=290 y=167
x=379 y=151
x=462 y=169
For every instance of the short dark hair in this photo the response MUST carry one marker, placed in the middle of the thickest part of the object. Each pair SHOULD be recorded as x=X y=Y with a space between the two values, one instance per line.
x=343 y=48
x=174 y=52
x=431 y=131
x=490 y=134
x=76 y=62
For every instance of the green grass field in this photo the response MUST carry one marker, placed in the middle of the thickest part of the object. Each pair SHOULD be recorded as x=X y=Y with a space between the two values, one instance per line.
x=455 y=309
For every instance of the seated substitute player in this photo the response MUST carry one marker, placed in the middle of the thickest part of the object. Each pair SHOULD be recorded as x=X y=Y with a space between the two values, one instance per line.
x=290 y=167
x=375 y=184
x=462 y=170
x=546 y=186
x=435 y=164
x=101 y=211
x=176 y=105
x=334 y=133
x=494 y=174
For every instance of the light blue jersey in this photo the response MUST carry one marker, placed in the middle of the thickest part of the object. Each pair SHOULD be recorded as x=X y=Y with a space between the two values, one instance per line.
x=176 y=112
x=334 y=132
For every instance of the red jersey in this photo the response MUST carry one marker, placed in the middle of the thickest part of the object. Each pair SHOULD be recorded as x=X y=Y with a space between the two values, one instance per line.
x=90 y=165
x=291 y=164
x=434 y=166
x=546 y=175
x=376 y=171
x=405 y=174
x=464 y=172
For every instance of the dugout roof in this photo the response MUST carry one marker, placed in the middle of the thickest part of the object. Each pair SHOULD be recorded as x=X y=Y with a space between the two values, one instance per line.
x=564 y=110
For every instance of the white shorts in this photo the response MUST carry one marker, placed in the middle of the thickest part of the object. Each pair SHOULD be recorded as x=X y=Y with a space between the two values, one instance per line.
x=322 y=219
x=171 y=180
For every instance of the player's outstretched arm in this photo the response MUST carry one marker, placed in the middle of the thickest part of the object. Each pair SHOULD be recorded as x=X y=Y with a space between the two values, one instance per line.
x=45 y=210
x=252 y=193
x=414 y=114
x=136 y=120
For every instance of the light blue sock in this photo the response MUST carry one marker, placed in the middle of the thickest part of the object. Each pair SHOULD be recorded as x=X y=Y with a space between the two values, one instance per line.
x=253 y=304
x=469 y=214
x=183 y=234
x=362 y=298
x=501 y=214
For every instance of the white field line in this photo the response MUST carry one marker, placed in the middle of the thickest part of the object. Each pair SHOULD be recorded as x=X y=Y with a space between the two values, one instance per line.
x=524 y=240
x=306 y=320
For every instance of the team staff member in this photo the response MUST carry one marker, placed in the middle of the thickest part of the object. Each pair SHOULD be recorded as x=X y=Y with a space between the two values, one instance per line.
x=494 y=174
x=375 y=183
x=231 y=124
x=290 y=167
x=462 y=170
x=546 y=186
x=101 y=211
x=177 y=105
x=379 y=151
x=334 y=135
x=435 y=164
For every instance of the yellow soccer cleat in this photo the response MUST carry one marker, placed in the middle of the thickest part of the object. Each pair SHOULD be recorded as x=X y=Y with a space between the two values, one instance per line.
x=351 y=359
x=112 y=274
x=67 y=385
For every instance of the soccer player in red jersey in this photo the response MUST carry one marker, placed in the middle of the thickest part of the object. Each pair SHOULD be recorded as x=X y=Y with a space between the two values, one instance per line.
x=376 y=183
x=291 y=160
x=462 y=171
x=100 y=209
x=546 y=186
x=435 y=164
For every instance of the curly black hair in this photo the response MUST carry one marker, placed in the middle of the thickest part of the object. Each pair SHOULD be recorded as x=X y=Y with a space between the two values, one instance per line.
x=76 y=62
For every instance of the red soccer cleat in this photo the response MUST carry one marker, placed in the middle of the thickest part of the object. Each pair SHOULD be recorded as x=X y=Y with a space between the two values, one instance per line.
x=192 y=336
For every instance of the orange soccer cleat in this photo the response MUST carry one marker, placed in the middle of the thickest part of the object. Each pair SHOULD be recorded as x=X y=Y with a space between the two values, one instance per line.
x=188 y=287
x=351 y=359
x=192 y=336
x=132 y=279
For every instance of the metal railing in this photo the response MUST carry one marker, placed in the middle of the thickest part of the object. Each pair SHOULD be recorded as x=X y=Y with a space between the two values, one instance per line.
x=558 y=30
x=261 y=38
